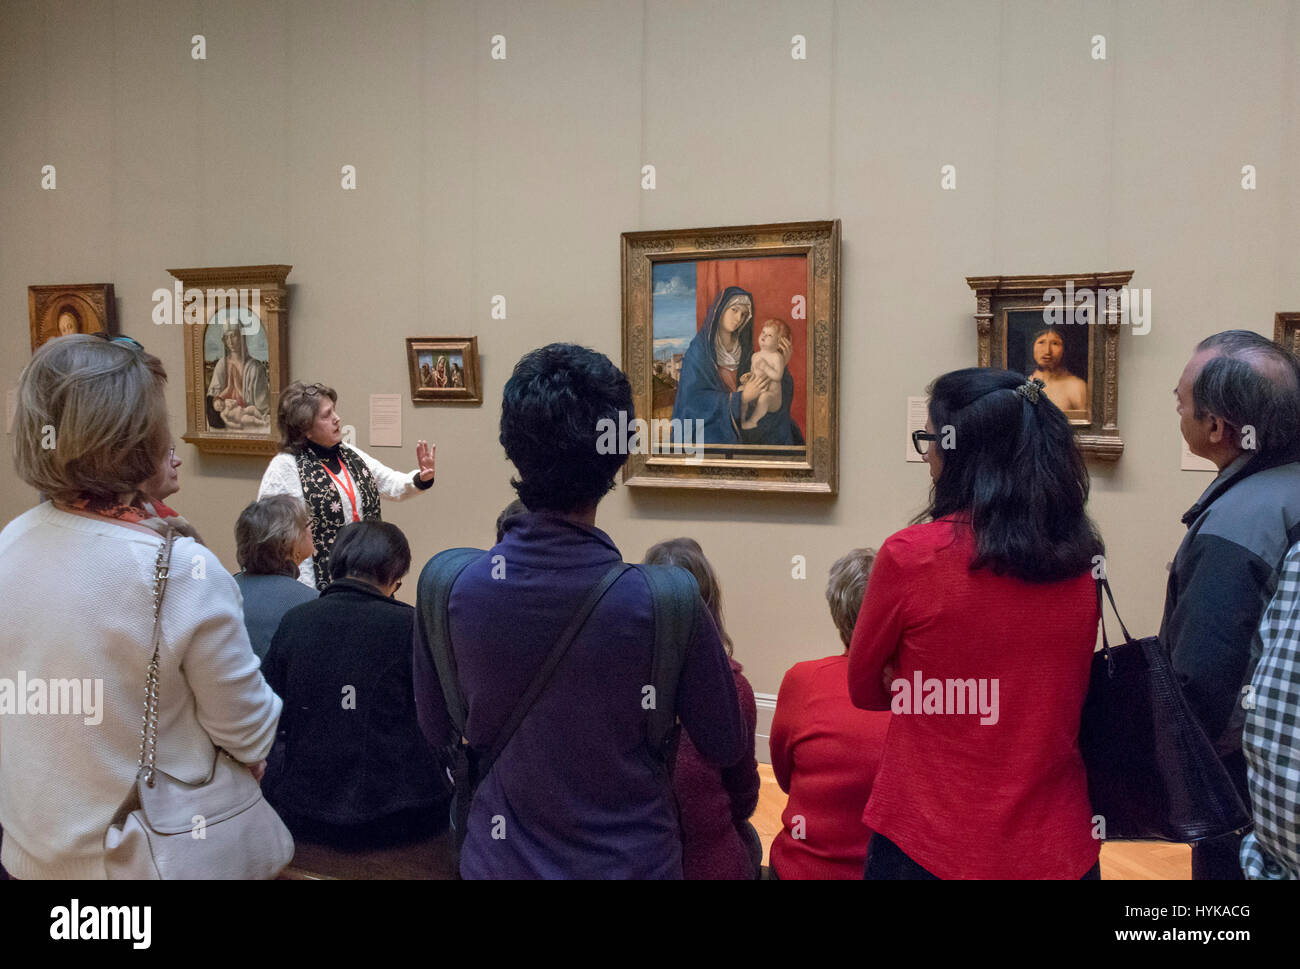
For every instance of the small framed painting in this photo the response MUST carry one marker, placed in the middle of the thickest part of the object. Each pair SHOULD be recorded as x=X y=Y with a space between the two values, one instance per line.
x=731 y=343
x=61 y=310
x=1063 y=330
x=444 y=369
x=234 y=321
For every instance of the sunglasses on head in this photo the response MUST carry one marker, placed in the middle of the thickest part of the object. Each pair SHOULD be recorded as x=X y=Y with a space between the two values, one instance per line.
x=119 y=339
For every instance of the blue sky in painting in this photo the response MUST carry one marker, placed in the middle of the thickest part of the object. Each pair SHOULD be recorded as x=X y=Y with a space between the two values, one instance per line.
x=673 y=306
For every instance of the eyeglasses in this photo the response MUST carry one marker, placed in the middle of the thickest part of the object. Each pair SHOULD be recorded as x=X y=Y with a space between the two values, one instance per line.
x=315 y=390
x=918 y=437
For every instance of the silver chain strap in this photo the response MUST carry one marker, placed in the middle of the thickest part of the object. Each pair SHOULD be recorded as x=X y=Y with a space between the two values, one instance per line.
x=149 y=722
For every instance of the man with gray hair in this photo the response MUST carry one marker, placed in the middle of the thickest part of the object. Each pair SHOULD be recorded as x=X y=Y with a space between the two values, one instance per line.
x=1239 y=404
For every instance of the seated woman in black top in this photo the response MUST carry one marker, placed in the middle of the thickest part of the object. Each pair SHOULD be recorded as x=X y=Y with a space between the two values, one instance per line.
x=349 y=766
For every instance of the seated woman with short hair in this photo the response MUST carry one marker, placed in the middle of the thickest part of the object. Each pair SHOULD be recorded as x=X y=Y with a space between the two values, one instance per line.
x=349 y=766
x=271 y=537
x=825 y=751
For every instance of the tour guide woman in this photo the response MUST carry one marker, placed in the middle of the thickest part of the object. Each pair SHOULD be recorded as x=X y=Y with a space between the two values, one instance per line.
x=339 y=483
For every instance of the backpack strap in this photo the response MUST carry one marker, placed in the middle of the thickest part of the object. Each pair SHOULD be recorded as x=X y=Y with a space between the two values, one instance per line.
x=543 y=676
x=433 y=594
x=675 y=599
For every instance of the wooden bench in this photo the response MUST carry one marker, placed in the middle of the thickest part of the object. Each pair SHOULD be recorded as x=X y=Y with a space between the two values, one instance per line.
x=429 y=859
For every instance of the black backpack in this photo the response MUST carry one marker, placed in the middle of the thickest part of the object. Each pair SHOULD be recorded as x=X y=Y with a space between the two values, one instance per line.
x=675 y=599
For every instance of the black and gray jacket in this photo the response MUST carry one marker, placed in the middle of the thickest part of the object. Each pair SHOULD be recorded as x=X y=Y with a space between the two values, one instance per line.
x=1220 y=583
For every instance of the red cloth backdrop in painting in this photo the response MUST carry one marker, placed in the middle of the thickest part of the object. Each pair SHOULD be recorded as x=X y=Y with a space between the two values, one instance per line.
x=773 y=281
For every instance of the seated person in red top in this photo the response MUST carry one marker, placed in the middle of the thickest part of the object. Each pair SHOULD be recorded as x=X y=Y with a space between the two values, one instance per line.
x=825 y=751
x=952 y=622
x=715 y=805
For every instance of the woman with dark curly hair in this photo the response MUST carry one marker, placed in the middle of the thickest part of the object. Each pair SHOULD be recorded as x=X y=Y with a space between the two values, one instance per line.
x=575 y=793
x=340 y=483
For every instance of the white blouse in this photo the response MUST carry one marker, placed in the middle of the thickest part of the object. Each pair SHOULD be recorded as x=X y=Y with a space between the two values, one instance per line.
x=281 y=478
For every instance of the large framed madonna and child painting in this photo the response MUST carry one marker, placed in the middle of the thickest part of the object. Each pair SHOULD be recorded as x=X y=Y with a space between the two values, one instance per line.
x=731 y=344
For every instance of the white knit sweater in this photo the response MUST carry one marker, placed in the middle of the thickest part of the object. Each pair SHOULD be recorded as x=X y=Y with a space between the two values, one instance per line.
x=78 y=603
x=281 y=478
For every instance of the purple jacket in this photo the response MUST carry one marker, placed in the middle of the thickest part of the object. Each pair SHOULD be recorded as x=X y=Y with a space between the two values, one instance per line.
x=575 y=794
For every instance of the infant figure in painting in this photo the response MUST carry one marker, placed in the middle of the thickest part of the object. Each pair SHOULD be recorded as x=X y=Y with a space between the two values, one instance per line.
x=768 y=362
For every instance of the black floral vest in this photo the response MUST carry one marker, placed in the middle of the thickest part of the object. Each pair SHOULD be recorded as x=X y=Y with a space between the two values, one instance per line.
x=326 y=508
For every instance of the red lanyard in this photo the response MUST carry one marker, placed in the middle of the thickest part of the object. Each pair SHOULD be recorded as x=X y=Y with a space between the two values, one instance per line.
x=346 y=484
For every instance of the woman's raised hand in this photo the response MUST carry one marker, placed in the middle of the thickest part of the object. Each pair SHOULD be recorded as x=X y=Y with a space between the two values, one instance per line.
x=424 y=455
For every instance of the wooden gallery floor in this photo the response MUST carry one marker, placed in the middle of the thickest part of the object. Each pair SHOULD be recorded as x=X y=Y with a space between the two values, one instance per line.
x=431 y=859
x=1119 y=860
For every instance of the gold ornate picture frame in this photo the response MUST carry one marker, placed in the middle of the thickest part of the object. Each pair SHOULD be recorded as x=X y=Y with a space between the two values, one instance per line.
x=1286 y=331
x=444 y=369
x=1066 y=324
x=61 y=309
x=235 y=324
x=731 y=345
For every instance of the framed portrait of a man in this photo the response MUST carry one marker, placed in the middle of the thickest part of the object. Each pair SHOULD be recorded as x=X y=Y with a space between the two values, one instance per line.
x=1063 y=330
x=235 y=322
x=61 y=310
x=730 y=342
x=1059 y=355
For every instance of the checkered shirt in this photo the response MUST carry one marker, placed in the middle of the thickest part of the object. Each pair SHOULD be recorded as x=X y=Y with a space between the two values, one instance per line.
x=1271 y=737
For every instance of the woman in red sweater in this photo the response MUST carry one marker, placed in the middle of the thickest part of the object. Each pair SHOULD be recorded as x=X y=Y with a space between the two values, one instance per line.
x=977 y=632
x=718 y=840
x=825 y=751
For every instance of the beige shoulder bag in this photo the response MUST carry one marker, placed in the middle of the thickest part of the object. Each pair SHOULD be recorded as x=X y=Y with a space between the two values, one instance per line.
x=170 y=830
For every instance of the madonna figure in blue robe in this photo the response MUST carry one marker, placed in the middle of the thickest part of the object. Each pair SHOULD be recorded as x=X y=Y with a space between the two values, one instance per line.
x=709 y=387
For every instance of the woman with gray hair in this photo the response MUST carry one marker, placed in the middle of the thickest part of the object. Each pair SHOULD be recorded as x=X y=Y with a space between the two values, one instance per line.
x=78 y=573
x=825 y=751
x=271 y=537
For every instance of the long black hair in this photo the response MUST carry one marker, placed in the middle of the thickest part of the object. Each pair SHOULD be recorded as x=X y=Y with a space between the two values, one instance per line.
x=1014 y=468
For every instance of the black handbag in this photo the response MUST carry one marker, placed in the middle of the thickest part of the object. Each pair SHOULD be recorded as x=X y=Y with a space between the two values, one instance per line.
x=1153 y=774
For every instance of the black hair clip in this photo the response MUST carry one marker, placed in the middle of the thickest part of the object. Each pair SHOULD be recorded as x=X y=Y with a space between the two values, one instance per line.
x=1030 y=389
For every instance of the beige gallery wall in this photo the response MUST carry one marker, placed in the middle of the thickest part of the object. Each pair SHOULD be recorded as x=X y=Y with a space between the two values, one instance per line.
x=478 y=177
